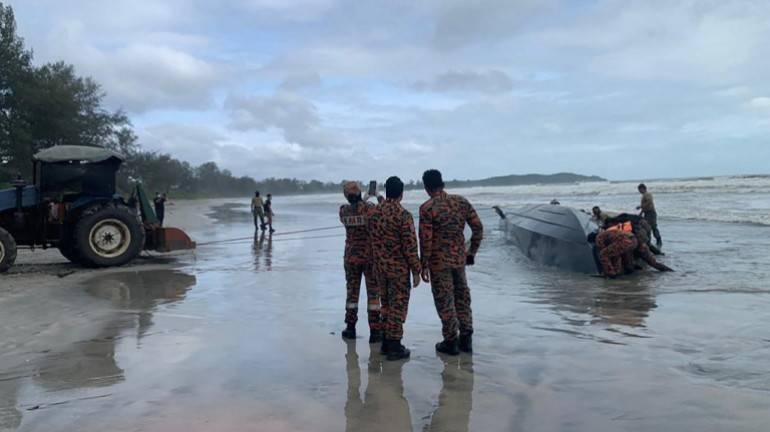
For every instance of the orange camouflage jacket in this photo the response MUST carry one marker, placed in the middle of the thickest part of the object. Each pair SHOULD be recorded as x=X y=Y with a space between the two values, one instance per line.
x=393 y=239
x=355 y=218
x=442 y=240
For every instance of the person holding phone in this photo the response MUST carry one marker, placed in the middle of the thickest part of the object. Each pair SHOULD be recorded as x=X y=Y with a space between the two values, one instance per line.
x=358 y=263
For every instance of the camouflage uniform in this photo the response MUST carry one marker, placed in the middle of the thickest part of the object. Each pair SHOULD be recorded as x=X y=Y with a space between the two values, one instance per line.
x=615 y=248
x=358 y=262
x=643 y=250
x=394 y=248
x=442 y=245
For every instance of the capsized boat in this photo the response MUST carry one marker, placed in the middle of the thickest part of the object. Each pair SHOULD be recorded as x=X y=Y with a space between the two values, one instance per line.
x=553 y=235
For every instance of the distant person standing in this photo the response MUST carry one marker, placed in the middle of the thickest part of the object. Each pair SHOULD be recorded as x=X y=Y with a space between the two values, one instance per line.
x=268 y=208
x=394 y=248
x=358 y=263
x=160 y=207
x=258 y=211
x=647 y=207
x=444 y=257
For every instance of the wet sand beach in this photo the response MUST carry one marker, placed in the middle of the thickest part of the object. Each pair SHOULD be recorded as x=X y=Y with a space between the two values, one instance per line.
x=245 y=336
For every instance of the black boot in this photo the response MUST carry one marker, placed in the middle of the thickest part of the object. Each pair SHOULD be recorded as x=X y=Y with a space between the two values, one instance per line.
x=385 y=347
x=397 y=351
x=375 y=336
x=448 y=347
x=349 y=332
x=466 y=343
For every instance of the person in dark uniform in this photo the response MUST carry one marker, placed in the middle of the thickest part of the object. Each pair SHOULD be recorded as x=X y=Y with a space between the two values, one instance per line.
x=160 y=207
x=268 y=208
x=647 y=206
x=258 y=211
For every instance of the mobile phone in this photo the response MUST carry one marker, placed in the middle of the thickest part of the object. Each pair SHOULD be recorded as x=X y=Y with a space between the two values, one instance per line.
x=373 y=188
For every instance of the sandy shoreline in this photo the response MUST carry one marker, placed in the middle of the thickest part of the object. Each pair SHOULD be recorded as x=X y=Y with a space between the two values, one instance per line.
x=245 y=336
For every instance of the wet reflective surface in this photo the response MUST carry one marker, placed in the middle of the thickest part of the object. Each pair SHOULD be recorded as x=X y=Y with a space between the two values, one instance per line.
x=244 y=336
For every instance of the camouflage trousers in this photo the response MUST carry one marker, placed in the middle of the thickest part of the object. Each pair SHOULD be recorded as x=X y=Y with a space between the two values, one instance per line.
x=395 y=303
x=353 y=274
x=612 y=256
x=453 y=301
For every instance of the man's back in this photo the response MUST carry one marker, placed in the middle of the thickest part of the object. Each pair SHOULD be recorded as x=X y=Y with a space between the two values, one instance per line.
x=442 y=224
x=648 y=204
x=394 y=243
x=355 y=218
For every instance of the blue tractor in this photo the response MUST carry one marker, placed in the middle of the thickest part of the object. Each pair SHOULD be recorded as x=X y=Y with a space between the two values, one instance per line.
x=72 y=205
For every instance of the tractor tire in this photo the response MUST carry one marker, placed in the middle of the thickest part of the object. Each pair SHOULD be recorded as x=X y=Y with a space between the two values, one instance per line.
x=68 y=251
x=7 y=250
x=108 y=236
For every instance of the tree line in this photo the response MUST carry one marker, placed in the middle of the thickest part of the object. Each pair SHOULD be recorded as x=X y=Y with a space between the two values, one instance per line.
x=47 y=105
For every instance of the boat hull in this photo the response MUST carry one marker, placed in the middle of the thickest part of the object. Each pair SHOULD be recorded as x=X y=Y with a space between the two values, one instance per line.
x=553 y=235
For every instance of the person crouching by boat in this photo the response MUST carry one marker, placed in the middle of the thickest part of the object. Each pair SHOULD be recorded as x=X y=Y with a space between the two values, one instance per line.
x=613 y=246
x=643 y=249
x=600 y=217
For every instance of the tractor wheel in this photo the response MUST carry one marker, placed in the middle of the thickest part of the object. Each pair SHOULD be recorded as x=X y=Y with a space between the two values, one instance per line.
x=108 y=236
x=68 y=251
x=7 y=250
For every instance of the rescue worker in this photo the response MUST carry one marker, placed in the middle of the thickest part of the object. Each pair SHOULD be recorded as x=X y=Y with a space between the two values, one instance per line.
x=647 y=206
x=358 y=262
x=600 y=217
x=160 y=207
x=268 y=208
x=613 y=245
x=638 y=224
x=258 y=211
x=643 y=251
x=394 y=250
x=444 y=257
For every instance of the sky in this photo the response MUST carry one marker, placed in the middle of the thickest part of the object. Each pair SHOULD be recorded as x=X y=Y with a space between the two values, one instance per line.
x=331 y=90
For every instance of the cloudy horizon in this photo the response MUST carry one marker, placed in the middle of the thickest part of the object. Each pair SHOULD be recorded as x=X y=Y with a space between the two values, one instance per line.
x=324 y=89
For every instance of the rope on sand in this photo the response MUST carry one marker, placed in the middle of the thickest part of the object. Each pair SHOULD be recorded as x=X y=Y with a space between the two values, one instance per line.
x=285 y=233
x=251 y=238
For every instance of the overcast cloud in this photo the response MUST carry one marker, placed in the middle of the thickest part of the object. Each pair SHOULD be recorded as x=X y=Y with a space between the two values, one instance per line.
x=358 y=89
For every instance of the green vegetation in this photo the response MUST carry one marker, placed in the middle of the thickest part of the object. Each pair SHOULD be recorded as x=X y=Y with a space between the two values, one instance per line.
x=48 y=105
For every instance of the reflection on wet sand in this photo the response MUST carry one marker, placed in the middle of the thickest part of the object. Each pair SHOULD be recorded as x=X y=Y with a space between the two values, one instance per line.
x=263 y=251
x=627 y=305
x=92 y=363
x=10 y=416
x=383 y=406
x=455 y=400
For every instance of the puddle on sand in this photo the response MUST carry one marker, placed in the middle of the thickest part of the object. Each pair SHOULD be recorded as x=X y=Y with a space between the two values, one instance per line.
x=140 y=289
x=70 y=372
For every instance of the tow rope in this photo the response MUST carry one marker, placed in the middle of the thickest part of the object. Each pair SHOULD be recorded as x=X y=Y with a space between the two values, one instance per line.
x=251 y=238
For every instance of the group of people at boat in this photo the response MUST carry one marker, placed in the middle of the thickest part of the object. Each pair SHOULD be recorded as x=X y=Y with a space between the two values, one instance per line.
x=624 y=241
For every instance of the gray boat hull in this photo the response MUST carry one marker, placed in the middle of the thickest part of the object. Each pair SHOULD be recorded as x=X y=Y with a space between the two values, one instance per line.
x=553 y=235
